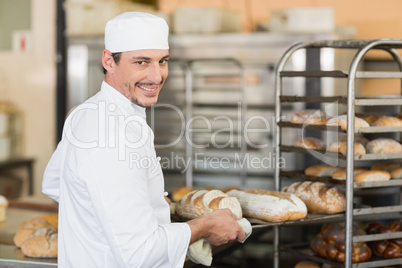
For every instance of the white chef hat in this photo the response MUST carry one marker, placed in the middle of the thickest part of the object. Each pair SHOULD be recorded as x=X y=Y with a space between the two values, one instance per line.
x=135 y=31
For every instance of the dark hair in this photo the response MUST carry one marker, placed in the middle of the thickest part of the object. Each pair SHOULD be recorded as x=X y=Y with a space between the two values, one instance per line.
x=116 y=58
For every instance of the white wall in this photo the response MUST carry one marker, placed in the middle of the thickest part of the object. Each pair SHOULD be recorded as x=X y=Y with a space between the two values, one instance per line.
x=30 y=79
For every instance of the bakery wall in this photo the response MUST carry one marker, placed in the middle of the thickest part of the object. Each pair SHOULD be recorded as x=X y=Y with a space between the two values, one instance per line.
x=28 y=80
x=372 y=18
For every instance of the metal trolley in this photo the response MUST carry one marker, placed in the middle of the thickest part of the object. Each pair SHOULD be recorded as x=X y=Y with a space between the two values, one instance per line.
x=351 y=101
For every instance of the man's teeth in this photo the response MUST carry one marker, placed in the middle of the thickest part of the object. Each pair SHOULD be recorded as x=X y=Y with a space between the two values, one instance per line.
x=147 y=89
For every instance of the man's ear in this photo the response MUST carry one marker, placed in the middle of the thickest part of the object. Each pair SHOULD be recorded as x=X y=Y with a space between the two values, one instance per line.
x=107 y=60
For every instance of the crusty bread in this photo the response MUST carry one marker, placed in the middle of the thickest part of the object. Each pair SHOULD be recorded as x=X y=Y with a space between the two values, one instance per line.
x=357 y=138
x=201 y=202
x=371 y=118
x=270 y=205
x=341 y=174
x=396 y=173
x=309 y=116
x=383 y=146
x=387 y=121
x=309 y=143
x=322 y=170
x=387 y=166
x=341 y=147
x=27 y=228
x=318 y=197
x=341 y=120
x=373 y=175
x=42 y=244
x=180 y=192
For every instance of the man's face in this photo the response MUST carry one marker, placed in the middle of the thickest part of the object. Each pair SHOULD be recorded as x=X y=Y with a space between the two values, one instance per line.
x=139 y=75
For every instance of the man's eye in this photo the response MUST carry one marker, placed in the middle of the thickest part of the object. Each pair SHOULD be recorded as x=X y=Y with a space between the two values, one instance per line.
x=164 y=61
x=141 y=62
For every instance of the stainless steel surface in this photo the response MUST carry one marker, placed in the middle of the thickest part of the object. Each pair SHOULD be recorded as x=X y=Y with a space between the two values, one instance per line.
x=10 y=255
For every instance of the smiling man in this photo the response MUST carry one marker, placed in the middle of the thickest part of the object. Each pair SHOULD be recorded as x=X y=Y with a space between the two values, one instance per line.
x=113 y=213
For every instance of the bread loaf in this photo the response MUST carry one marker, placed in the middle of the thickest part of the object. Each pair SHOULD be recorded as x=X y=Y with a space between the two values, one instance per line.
x=371 y=118
x=396 y=173
x=180 y=192
x=341 y=147
x=330 y=243
x=201 y=202
x=385 y=248
x=309 y=116
x=309 y=143
x=322 y=170
x=41 y=244
x=387 y=166
x=270 y=205
x=387 y=121
x=318 y=196
x=383 y=146
x=341 y=120
x=341 y=174
x=357 y=138
x=373 y=175
x=307 y=264
x=28 y=228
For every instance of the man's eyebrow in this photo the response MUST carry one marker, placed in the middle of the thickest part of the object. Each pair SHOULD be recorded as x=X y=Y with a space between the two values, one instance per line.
x=148 y=58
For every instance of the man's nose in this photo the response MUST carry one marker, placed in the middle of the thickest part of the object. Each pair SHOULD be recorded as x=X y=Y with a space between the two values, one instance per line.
x=155 y=74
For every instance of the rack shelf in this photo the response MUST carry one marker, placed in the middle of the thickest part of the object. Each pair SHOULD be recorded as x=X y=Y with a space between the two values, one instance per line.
x=348 y=160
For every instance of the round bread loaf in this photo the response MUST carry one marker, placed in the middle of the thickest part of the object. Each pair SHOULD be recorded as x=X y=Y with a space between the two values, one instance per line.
x=341 y=147
x=28 y=227
x=309 y=116
x=383 y=146
x=371 y=118
x=373 y=175
x=41 y=244
x=387 y=121
x=341 y=120
x=341 y=174
x=318 y=197
x=357 y=138
x=309 y=143
x=322 y=170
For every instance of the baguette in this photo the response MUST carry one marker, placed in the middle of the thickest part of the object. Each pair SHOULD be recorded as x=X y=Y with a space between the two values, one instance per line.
x=341 y=174
x=201 y=202
x=383 y=146
x=318 y=196
x=270 y=205
x=322 y=170
x=396 y=173
x=373 y=175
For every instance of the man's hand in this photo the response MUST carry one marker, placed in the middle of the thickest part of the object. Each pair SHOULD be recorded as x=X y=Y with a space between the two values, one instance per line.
x=218 y=228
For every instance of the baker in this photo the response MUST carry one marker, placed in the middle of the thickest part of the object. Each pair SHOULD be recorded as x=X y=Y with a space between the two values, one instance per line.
x=105 y=174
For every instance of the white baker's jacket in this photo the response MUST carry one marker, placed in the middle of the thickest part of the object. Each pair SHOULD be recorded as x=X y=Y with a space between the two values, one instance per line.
x=109 y=185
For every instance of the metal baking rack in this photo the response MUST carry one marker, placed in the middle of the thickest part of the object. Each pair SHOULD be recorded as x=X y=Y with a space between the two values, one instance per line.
x=349 y=186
